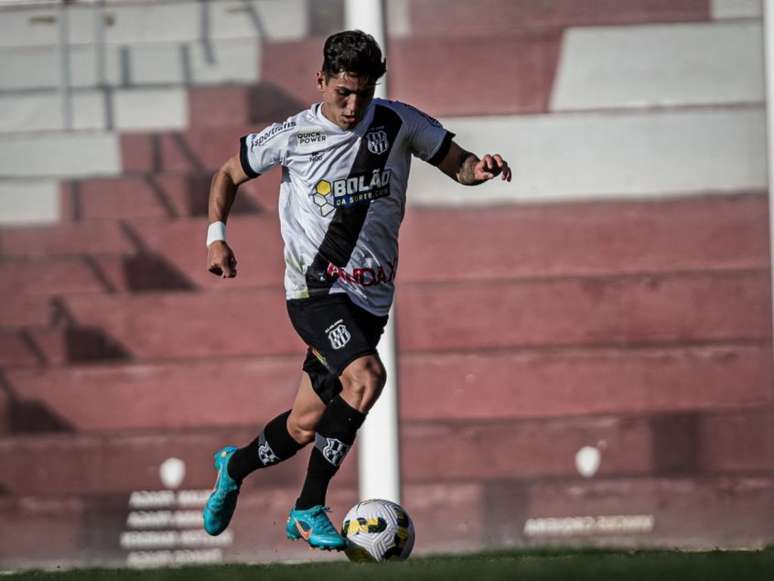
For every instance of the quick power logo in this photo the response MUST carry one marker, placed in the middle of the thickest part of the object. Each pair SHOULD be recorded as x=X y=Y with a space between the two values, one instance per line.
x=311 y=136
x=344 y=192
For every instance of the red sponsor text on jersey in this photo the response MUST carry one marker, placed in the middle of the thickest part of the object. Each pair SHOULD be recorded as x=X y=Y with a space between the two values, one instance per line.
x=361 y=276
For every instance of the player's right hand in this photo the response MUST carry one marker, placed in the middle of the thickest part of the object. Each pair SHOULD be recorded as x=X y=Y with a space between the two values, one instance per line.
x=221 y=260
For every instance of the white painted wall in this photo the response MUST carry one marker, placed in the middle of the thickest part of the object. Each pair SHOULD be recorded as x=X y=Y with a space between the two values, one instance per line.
x=171 y=22
x=148 y=108
x=59 y=154
x=28 y=201
x=43 y=111
x=720 y=9
x=664 y=65
x=605 y=155
x=225 y=61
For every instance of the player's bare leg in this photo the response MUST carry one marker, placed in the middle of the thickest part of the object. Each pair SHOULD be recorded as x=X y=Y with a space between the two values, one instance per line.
x=362 y=382
x=306 y=412
x=281 y=439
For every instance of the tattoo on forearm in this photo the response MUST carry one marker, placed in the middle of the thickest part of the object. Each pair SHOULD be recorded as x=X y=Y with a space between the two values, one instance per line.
x=465 y=174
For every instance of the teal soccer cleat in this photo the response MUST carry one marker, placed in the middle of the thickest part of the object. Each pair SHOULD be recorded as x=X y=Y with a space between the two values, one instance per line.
x=314 y=526
x=222 y=502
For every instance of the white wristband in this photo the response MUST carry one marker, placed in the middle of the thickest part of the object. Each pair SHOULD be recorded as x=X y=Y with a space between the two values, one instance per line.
x=216 y=231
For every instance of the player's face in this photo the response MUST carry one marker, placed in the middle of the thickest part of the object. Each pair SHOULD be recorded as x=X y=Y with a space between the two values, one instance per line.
x=345 y=98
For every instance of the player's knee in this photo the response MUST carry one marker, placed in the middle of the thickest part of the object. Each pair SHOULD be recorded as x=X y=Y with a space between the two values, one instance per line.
x=362 y=383
x=301 y=428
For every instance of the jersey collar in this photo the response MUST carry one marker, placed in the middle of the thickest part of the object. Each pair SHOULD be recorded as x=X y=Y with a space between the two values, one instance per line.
x=358 y=129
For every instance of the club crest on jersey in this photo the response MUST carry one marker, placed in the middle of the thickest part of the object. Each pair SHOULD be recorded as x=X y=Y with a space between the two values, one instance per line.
x=377 y=141
x=338 y=335
x=329 y=195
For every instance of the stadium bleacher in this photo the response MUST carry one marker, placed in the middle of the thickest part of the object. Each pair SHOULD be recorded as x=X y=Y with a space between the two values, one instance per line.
x=616 y=294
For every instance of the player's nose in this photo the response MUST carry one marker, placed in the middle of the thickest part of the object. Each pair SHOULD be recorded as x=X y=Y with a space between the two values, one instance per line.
x=354 y=104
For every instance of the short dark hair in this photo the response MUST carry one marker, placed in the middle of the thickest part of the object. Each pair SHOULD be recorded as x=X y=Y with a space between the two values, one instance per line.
x=353 y=51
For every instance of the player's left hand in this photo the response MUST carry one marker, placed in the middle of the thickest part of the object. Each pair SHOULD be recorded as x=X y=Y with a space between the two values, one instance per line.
x=490 y=166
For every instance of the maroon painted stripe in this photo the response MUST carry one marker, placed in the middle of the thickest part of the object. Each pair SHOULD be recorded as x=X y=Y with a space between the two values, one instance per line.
x=524 y=384
x=678 y=308
x=500 y=17
x=527 y=449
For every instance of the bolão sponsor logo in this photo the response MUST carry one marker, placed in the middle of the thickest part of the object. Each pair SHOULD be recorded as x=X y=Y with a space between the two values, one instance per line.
x=328 y=195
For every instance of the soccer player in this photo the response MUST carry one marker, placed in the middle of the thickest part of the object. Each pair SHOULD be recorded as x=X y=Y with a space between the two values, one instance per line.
x=345 y=164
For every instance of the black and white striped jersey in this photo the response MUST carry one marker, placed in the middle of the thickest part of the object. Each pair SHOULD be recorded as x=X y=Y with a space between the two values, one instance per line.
x=343 y=195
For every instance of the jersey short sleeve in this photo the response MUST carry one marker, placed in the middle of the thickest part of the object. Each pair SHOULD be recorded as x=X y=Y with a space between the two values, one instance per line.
x=260 y=152
x=429 y=140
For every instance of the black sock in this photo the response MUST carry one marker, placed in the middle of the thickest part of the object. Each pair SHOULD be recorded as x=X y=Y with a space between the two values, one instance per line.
x=273 y=446
x=335 y=435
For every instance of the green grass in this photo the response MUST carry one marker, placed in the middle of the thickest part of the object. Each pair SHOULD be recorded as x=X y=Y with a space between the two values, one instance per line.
x=545 y=565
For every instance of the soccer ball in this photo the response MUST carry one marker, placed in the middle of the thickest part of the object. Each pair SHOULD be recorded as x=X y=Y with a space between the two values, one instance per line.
x=378 y=530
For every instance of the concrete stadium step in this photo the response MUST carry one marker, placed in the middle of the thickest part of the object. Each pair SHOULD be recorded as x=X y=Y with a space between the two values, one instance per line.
x=112 y=464
x=733 y=9
x=146 y=255
x=689 y=512
x=48 y=277
x=671 y=444
x=554 y=382
x=653 y=309
x=195 y=150
x=89 y=530
x=68 y=344
x=73 y=154
x=174 y=325
x=522 y=384
x=689 y=151
x=655 y=512
x=177 y=395
x=523 y=85
x=147 y=196
x=51 y=277
x=517 y=241
x=132 y=24
x=500 y=17
x=24 y=311
x=15 y=350
x=256 y=241
x=660 y=66
x=141 y=65
x=666 y=235
x=98 y=237
x=529 y=33
x=240 y=105
x=127 y=109
x=137 y=272
x=29 y=200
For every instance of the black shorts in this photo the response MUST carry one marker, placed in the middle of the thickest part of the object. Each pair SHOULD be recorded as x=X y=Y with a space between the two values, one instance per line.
x=337 y=332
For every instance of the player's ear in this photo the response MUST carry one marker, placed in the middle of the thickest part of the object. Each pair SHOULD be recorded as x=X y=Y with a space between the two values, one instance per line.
x=320 y=78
